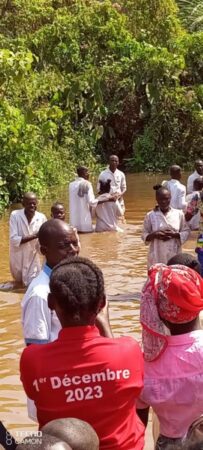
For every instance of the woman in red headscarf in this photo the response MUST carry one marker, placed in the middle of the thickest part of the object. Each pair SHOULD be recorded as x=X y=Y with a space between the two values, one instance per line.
x=173 y=350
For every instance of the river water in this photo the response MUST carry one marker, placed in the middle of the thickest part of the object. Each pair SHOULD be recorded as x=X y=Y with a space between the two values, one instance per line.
x=121 y=256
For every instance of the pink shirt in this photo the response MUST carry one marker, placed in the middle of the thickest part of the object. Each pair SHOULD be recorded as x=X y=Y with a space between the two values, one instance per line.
x=173 y=384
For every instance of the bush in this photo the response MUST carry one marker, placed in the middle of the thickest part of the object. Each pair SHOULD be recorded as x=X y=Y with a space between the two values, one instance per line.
x=82 y=79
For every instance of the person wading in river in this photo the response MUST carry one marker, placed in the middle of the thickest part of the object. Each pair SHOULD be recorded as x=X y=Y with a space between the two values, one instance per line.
x=24 y=225
x=197 y=173
x=165 y=229
x=177 y=189
x=108 y=212
x=58 y=211
x=81 y=200
x=118 y=180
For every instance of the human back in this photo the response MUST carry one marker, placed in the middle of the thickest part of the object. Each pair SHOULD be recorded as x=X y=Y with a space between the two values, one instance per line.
x=88 y=376
x=176 y=188
x=81 y=198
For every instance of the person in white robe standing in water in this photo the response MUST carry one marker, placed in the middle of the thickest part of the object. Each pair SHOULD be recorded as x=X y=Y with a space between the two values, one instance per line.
x=118 y=180
x=108 y=209
x=165 y=229
x=177 y=189
x=196 y=174
x=81 y=200
x=24 y=247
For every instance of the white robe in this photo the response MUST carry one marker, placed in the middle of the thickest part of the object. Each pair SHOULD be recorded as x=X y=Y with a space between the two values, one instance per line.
x=178 y=194
x=40 y=324
x=24 y=258
x=118 y=183
x=194 y=222
x=80 y=205
x=191 y=180
x=162 y=251
x=107 y=215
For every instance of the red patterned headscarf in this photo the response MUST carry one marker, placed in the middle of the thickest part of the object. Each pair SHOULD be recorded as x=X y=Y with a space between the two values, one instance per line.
x=174 y=293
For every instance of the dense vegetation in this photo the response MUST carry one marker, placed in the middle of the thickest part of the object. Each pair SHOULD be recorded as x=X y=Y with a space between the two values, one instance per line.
x=81 y=79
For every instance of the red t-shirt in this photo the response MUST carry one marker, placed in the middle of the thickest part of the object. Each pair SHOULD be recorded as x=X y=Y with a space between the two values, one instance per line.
x=92 y=378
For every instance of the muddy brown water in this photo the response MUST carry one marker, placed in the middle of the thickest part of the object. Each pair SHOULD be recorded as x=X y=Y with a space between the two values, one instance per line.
x=122 y=257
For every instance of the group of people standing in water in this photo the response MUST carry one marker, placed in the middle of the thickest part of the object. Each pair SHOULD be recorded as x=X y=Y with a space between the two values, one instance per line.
x=106 y=208
x=171 y=302
x=73 y=367
x=176 y=213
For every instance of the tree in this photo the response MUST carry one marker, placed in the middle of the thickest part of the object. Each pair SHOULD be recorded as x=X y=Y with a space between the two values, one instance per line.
x=154 y=21
x=191 y=14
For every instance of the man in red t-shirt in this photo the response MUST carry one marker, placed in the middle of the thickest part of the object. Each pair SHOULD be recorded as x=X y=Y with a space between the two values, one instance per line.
x=84 y=374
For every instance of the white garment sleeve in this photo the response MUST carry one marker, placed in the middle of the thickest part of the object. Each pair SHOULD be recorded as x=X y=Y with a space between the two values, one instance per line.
x=98 y=182
x=37 y=246
x=181 y=198
x=123 y=184
x=184 y=229
x=90 y=196
x=15 y=239
x=36 y=320
x=147 y=228
x=194 y=222
x=119 y=209
x=190 y=184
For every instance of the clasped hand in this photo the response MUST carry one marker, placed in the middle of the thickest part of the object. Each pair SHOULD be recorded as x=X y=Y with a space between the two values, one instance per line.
x=165 y=235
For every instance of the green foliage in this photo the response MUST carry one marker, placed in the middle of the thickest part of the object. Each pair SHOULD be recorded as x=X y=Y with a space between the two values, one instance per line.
x=191 y=14
x=191 y=47
x=153 y=21
x=82 y=79
x=4 y=195
x=174 y=132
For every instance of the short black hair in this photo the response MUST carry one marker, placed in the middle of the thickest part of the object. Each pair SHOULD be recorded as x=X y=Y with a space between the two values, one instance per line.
x=55 y=205
x=78 y=434
x=156 y=187
x=78 y=285
x=105 y=186
x=174 y=169
x=199 y=160
x=198 y=183
x=28 y=196
x=81 y=170
x=49 y=230
x=160 y=189
x=185 y=259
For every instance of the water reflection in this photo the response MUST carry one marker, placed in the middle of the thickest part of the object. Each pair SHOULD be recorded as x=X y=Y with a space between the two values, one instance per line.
x=122 y=257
